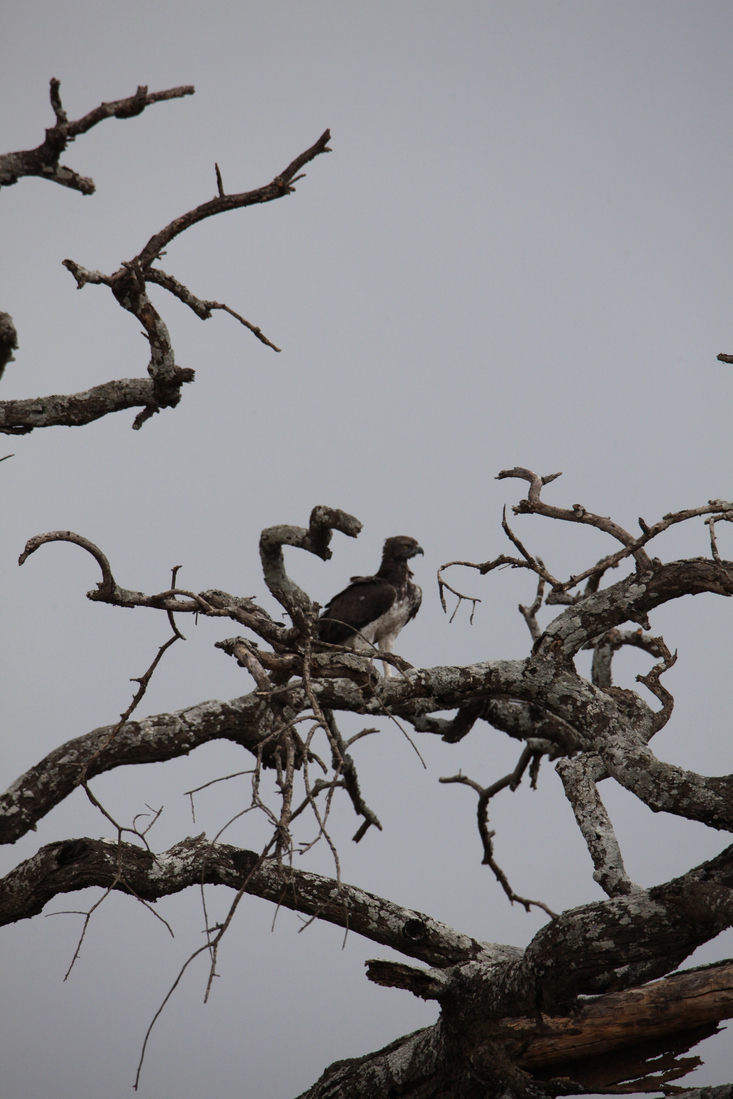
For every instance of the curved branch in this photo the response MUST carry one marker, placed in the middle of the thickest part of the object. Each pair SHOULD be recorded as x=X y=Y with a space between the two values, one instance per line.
x=536 y=482
x=664 y=787
x=652 y=682
x=578 y=514
x=610 y=642
x=636 y=938
x=213 y=603
x=632 y=600
x=315 y=539
x=130 y=291
x=108 y=584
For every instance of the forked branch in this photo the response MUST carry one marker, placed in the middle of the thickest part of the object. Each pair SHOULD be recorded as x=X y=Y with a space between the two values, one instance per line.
x=714 y=511
x=162 y=389
x=530 y=755
x=280 y=186
x=44 y=160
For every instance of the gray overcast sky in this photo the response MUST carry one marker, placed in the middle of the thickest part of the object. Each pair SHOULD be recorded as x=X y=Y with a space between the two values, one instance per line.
x=518 y=252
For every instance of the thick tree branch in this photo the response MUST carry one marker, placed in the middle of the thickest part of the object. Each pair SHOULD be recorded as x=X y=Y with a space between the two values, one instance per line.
x=75 y=409
x=77 y=864
x=633 y=599
x=410 y=1067
x=680 y=1002
x=247 y=721
x=637 y=938
x=632 y=1036
x=579 y=777
x=616 y=723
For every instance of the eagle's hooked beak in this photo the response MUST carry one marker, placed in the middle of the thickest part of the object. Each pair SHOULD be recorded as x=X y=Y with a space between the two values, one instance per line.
x=418 y=549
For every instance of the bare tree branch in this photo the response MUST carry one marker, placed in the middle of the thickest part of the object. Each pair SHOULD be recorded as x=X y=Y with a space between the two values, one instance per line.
x=281 y=185
x=315 y=539
x=534 y=505
x=77 y=864
x=512 y=780
x=76 y=409
x=246 y=721
x=129 y=283
x=202 y=309
x=44 y=160
x=579 y=777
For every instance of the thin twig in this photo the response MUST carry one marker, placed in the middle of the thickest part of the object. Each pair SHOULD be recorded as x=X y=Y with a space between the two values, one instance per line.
x=485 y=794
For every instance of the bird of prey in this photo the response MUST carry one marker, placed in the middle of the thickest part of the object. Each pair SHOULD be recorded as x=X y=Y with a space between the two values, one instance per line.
x=373 y=609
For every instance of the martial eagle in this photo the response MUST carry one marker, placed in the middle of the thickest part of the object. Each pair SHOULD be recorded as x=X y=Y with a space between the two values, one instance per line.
x=373 y=609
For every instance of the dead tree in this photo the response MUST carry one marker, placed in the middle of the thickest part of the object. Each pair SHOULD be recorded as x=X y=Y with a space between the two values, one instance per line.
x=584 y=1006
x=594 y=1002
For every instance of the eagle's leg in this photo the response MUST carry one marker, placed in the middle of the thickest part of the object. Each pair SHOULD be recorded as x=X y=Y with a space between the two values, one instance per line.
x=385 y=646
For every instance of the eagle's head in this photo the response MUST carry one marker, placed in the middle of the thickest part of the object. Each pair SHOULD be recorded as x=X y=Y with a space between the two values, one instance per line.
x=401 y=548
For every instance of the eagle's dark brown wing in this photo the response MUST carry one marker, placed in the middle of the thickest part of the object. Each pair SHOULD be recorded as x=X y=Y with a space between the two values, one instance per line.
x=365 y=599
